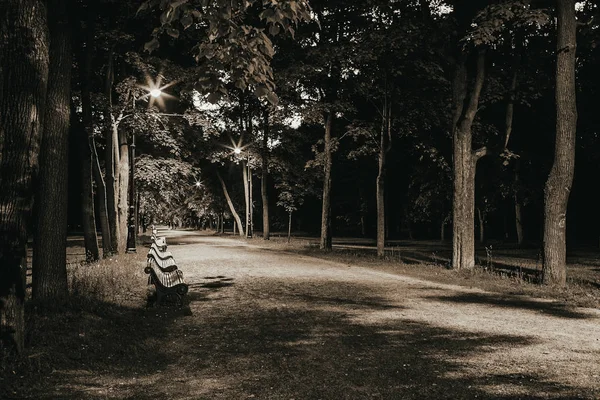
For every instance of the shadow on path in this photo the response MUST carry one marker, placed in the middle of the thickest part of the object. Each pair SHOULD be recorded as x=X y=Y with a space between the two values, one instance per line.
x=283 y=340
x=543 y=307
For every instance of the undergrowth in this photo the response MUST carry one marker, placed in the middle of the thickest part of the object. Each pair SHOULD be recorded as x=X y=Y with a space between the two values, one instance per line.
x=59 y=332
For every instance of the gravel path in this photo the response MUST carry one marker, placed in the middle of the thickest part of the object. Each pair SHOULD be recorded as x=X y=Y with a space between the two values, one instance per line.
x=266 y=324
x=278 y=325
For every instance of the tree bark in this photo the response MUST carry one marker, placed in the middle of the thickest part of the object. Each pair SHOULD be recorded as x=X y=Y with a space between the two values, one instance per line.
x=265 y=178
x=518 y=207
x=481 y=225
x=560 y=180
x=111 y=160
x=326 y=238
x=384 y=148
x=289 y=238
x=123 y=174
x=86 y=58
x=231 y=207
x=23 y=85
x=49 y=270
x=246 y=201
x=464 y=164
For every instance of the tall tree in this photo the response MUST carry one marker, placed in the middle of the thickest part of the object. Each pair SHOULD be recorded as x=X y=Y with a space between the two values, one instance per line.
x=264 y=156
x=50 y=237
x=23 y=83
x=560 y=180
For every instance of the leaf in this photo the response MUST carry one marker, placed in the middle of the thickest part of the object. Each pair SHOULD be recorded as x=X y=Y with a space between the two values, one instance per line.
x=143 y=7
x=151 y=45
x=274 y=30
x=261 y=91
x=273 y=99
x=173 y=32
x=187 y=21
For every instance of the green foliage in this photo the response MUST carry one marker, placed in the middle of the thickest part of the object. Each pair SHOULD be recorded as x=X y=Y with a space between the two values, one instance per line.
x=232 y=46
x=496 y=21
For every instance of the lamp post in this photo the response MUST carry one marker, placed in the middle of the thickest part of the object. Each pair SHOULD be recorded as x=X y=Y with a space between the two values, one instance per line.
x=131 y=220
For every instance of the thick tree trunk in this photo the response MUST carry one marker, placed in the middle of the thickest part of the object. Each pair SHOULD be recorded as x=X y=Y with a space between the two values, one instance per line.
x=88 y=219
x=464 y=164
x=86 y=58
x=111 y=161
x=49 y=275
x=23 y=83
x=326 y=238
x=231 y=207
x=560 y=180
x=265 y=178
x=123 y=174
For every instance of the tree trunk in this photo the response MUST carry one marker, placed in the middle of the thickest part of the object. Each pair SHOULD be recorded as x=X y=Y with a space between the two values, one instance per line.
x=518 y=207
x=246 y=201
x=560 y=180
x=289 y=227
x=123 y=174
x=23 y=83
x=88 y=219
x=250 y=201
x=384 y=148
x=86 y=57
x=264 y=178
x=111 y=161
x=464 y=164
x=49 y=270
x=231 y=207
x=443 y=231
x=326 y=238
x=481 y=225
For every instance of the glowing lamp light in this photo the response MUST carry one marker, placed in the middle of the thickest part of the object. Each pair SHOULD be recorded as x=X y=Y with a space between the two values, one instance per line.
x=155 y=93
x=237 y=150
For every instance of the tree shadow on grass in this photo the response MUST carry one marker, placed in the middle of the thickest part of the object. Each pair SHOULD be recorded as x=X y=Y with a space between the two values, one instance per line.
x=319 y=342
x=543 y=307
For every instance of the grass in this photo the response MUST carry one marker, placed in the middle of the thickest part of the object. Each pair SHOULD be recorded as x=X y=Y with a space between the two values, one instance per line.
x=77 y=330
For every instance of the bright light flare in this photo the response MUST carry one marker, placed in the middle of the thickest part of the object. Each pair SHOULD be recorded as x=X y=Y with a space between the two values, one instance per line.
x=237 y=150
x=155 y=91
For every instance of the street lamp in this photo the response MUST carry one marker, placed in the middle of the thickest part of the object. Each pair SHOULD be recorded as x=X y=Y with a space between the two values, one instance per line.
x=132 y=220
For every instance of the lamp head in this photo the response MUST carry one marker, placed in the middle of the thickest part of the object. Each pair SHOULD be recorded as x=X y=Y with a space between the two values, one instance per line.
x=155 y=93
x=237 y=150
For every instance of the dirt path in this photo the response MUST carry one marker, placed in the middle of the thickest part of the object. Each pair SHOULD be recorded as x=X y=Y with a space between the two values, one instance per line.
x=269 y=325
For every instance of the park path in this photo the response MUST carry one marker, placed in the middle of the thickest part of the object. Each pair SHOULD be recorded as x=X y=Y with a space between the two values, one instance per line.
x=267 y=324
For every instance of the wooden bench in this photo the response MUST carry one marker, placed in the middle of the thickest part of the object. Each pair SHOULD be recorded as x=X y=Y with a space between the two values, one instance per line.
x=160 y=242
x=167 y=283
x=166 y=264
x=161 y=253
x=162 y=271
